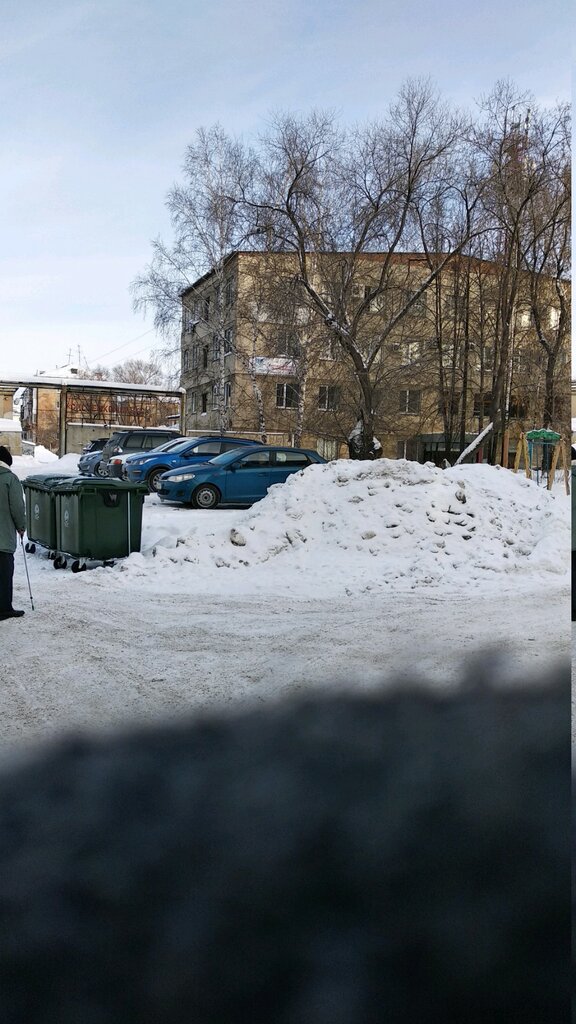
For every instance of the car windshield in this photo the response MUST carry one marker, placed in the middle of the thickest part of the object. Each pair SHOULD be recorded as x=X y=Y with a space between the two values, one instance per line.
x=174 y=445
x=182 y=446
x=226 y=457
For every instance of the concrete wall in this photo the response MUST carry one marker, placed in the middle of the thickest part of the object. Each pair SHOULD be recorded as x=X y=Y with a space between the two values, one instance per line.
x=12 y=439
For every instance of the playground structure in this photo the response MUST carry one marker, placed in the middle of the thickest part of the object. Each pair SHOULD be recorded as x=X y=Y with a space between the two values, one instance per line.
x=542 y=451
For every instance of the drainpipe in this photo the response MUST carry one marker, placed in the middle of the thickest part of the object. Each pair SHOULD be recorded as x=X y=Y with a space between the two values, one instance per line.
x=62 y=420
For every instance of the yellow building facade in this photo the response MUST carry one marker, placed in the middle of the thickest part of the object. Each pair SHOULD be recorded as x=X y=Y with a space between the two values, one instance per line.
x=260 y=360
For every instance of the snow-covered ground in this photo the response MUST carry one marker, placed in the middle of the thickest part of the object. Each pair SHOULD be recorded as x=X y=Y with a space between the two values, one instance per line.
x=347 y=575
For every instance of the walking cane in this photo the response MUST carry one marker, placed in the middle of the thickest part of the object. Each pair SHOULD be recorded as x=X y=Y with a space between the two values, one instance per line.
x=27 y=573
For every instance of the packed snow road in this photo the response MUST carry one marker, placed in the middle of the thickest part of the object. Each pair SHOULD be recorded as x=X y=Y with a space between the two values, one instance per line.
x=348 y=576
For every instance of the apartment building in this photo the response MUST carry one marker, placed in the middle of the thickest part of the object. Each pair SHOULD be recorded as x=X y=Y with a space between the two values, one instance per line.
x=263 y=358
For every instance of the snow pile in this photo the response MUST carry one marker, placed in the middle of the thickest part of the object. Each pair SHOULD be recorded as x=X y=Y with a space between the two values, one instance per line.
x=362 y=525
x=8 y=426
x=44 y=461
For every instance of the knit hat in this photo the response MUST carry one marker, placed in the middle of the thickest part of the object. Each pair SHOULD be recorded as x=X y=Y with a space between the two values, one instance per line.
x=5 y=455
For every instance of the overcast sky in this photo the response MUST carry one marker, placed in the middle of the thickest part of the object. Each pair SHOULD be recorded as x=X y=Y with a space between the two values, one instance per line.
x=101 y=97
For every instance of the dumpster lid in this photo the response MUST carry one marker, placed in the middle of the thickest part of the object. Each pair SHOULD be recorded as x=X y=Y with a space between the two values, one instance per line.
x=93 y=483
x=43 y=481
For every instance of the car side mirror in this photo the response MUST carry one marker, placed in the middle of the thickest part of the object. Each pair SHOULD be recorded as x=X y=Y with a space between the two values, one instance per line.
x=233 y=467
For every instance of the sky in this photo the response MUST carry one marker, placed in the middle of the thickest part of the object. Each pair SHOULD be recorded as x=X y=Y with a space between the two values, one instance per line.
x=346 y=576
x=101 y=97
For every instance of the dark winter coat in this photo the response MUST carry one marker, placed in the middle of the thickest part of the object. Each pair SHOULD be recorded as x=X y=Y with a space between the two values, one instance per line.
x=12 y=511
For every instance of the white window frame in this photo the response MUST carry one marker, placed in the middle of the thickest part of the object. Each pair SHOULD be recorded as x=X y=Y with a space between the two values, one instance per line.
x=327 y=447
x=228 y=341
x=404 y=403
x=411 y=352
x=330 y=351
x=285 y=386
x=328 y=395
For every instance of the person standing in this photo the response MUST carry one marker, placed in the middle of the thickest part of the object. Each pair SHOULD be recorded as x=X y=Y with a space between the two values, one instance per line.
x=12 y=522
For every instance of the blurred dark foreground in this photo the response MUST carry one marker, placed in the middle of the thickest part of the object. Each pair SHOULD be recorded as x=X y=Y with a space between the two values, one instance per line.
x=398 y=859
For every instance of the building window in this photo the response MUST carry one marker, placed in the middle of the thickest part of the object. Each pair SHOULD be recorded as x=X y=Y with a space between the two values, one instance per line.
x=482 y=405
x=449 y=404
x=488 y=355
x=228 y=340
x=328 y=397
x=363 y=292
x=192 y=402
x=189 y=322
x=327 y=447
x=227 y=394
x=286 y=396
x=206 y=307
x=287 y=343
x=409 y=402
x=411 y=352
x=447 y=354
x=215 y=354
x=194 y=353
x=185 y=360
x=407 y=449
x=419 y=305
x=330 y=349
x=517 y=410
x=205 y=357
x=215 y=395
x=204 y=401
x=449 y=303
x=228 y=291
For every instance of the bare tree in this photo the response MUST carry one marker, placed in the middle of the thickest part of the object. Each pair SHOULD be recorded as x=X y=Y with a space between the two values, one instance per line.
x=422 y=217
x=547 y=259
x=524 y=155
x=331 y=197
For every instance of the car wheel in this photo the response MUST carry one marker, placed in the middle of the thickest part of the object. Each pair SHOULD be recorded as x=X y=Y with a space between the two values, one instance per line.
x=153 y=479
x=97 y=471
x=205 y=496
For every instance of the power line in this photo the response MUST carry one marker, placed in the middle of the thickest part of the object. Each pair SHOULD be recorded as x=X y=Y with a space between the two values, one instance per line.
x=131 y=342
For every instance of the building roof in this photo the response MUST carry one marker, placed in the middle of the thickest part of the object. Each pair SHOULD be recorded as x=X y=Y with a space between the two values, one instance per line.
x=367 y=256
x=77 y=384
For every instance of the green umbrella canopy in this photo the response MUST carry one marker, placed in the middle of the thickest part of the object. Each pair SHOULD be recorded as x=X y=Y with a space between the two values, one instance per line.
x=543 y=435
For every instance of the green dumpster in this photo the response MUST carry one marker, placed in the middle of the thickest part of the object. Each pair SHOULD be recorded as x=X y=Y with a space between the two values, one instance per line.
x=98 y=518
x=41 y=508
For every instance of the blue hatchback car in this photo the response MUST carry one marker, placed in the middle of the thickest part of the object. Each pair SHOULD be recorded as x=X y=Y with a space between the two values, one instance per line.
x=148 y=467
x=89 y=462
x=235 y=478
